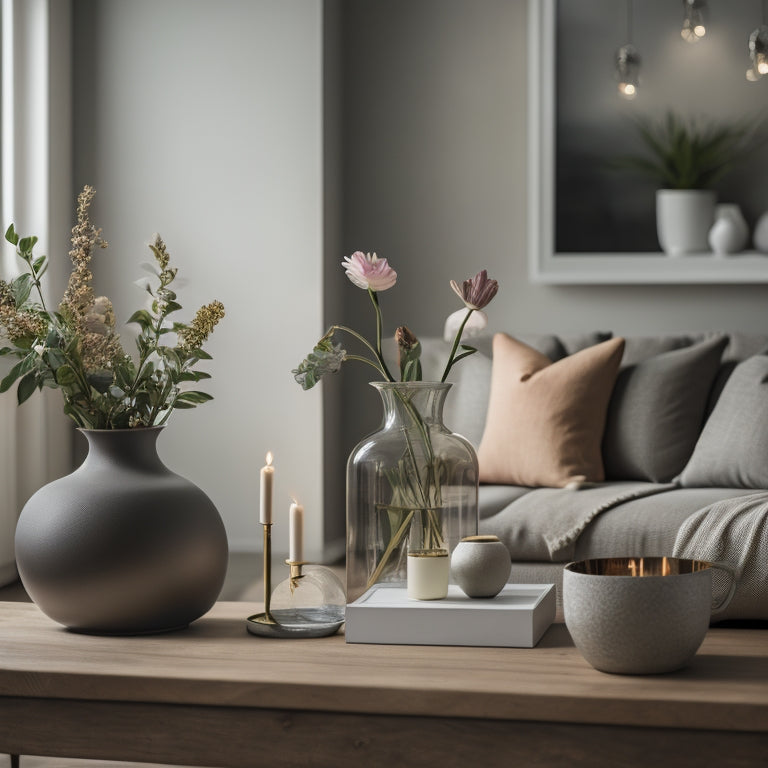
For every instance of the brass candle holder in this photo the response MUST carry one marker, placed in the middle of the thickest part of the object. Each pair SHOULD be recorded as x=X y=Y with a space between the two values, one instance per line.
x=266 y=618
x=309 y=603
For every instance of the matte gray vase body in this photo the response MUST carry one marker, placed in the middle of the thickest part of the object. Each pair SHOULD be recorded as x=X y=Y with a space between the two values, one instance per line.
x=122 y=545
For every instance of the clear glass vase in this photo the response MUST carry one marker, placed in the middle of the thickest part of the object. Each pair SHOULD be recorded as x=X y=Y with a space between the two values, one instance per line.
x=411 y=486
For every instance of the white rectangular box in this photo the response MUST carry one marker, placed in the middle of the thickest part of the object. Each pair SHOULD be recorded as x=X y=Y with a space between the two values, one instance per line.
x=516 y=618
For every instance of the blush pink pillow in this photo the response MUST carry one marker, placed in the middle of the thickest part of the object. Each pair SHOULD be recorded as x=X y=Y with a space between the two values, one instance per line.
x=545 y=420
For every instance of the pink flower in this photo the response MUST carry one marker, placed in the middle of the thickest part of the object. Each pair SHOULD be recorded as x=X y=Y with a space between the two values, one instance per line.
x=368 y=271
x=476 y=292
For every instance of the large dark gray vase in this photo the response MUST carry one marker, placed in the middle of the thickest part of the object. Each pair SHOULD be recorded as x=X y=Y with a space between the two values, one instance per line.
x=122 y=545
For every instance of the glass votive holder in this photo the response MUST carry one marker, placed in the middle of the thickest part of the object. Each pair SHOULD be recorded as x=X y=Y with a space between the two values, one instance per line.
x=309 y=603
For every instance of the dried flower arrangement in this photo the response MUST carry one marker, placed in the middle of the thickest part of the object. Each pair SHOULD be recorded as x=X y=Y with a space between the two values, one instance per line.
x=77 y=350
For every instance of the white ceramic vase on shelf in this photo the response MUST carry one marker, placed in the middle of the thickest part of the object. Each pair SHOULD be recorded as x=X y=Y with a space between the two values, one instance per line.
x=683 y=219
x=730 y=233
x=761 y=233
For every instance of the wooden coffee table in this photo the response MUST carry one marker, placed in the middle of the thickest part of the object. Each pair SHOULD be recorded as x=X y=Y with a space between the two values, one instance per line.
x=213 y=695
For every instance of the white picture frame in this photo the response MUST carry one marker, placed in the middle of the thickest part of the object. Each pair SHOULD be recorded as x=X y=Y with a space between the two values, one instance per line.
x=546 y=266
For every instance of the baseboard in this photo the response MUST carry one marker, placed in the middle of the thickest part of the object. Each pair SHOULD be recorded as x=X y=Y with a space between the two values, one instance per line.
x=8 y=573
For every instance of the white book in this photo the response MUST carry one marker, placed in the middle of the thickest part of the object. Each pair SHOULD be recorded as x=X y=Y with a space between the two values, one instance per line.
x=516 y=618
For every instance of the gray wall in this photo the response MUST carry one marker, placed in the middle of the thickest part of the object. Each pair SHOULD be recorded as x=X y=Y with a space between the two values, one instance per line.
x=203 y=121
x=435 y=180
x=435 y=177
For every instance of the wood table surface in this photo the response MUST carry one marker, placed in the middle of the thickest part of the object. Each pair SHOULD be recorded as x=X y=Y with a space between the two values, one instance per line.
x=215 y=695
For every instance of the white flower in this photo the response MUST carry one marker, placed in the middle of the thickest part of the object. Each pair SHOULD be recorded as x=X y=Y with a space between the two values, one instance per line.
x=478 y=320
x=39 y=348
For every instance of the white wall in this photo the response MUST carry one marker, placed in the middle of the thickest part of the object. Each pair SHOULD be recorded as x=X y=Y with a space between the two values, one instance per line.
x=203 y=121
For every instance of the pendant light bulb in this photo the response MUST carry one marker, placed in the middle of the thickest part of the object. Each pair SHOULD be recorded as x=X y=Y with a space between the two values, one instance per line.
x=628 y=62
x=628 y=71
x=693 y=21
x=758 y=53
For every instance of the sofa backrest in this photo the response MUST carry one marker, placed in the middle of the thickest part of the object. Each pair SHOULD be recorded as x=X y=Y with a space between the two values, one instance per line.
x=467 y=405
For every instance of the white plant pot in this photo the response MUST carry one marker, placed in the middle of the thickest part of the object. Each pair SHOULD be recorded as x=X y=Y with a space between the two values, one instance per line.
x=730 y=233
x=683 y=220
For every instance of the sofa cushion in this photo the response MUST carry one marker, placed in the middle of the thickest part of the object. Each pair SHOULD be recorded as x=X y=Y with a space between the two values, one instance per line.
x=639 y=348
x=733 y=447
x=545 y=420
x=467 y=403
x=657 y=411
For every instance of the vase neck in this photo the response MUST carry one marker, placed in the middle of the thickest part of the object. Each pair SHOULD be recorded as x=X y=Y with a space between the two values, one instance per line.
x=407 y=403
x=135 y=448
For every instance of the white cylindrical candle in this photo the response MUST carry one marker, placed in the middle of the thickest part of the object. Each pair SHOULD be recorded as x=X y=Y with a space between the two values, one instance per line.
x=428 y=572
x=267 y=478
x=296 y=529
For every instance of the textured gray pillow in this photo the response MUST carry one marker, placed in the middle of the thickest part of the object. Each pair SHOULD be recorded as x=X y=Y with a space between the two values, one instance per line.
x=657 y=411
x=732 y=451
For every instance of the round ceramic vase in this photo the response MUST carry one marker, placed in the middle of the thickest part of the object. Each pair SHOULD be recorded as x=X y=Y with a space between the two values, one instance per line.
x=761 y=233
x=122 y=545
x=639 y=616
x=730 y=233
x=481 y=565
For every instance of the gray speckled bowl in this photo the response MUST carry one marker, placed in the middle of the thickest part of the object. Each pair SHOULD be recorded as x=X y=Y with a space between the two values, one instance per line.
x=639 y=615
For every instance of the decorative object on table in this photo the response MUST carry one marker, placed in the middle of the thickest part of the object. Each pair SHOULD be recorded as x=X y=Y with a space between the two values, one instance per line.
x=640 y=615
x=516 y=618
x=122 y=545
x=428 y=573
x=687 y=158
x=730 y=232
x=413 y=483
x=310 y=602
x=761 y=234
x=481 y=565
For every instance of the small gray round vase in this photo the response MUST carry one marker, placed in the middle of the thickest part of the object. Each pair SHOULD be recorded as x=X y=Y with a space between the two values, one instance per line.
x=122 y=545
x=481 y=565
x=639 y=615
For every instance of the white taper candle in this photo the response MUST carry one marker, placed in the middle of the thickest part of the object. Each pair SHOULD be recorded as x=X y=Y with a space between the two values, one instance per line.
x=267 y=478
x=296 y=529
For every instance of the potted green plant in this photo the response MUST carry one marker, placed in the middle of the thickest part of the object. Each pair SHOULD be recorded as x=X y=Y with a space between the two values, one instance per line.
x=686 y=158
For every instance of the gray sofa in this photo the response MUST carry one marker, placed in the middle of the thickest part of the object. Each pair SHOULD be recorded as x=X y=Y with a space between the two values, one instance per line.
x=685 y=452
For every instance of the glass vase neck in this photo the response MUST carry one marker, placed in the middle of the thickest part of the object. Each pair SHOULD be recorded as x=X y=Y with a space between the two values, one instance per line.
x=408 y=401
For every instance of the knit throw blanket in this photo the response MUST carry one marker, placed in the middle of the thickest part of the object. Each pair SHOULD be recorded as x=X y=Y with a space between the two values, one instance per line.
x=733 y=531
x=545 y=523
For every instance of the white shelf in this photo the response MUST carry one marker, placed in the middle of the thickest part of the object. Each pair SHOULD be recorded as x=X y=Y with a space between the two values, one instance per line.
x=651 y=268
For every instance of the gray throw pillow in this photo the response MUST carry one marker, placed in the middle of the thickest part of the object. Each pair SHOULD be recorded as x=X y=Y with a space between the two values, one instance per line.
x=657 y=411
x=732 y=449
